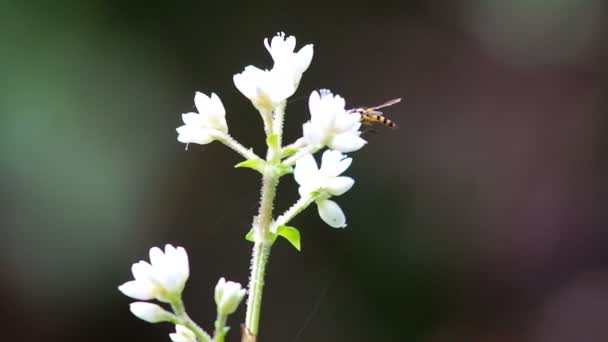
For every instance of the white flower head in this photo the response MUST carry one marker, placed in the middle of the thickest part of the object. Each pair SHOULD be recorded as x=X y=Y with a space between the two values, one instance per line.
x=228 y=296
x=326 y=181
x=266 y=89
x=182 y=334
x=200 y=127
x=149 y=312
x=281 y=49
x=163 y=278
x=331 y=125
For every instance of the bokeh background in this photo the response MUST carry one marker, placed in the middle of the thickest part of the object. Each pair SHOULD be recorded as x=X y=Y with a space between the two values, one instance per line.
x=483 y=217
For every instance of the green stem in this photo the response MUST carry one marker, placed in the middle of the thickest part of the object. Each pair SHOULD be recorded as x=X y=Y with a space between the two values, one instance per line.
x=310 y=149
x=262 y=245
x=267 y=118
x=185 y=320
x=293 y=211
x=261 y=252
x=277 y=122
x=220 y=328
x=229 y=141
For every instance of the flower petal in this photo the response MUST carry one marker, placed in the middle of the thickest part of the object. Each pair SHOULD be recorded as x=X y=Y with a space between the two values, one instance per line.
x=141 y=290
x=314 y=103
x=338 y=185
x=149 y=312
x=312 y=134
x=331 y=213
x=190 y=134
x=201 y=101
x=304 y=57
x=346 y=142
x=182 y=334
x=183 y=265
x=333 y=163
x=306 y=169
x=193 y=119
x=157 y=257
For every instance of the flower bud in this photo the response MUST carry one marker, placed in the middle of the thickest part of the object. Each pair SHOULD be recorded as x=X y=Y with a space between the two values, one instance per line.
x=228 y=296
x=149 y=312
x=182 y=334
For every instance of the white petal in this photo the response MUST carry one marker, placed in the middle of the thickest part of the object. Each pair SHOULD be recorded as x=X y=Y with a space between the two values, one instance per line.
x=219 y=290
x=308 y=188
x=248 y=81
x=192 y=119
x=201 y=101
x=169 y=251
x=331 y=213
x=314 y=103
x=244 y=85
x=337 y=103
x=228 y=296
x=306 y=170
x=279 y=85
x=339 y=185
x=333 y=163
x=141 y=290
x=189 y=134
x=149 y=312
x=157 y=257
x=182 y=262
x=312 y=134
x=346 y=142
x=322 y=112
x=304 y=57
x=348 y=122
x=142 y=271
x=216 y=105
x=182 y=334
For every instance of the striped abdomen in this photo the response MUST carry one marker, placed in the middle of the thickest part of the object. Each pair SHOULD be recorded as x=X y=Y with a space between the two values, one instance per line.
x=372 y=118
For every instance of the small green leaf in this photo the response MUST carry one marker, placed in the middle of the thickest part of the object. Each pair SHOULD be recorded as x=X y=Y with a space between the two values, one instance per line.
x=283 y=170
x=292 y=235
x=288 y=151
x=249 y=236
x=255 y=164
x=273 y=141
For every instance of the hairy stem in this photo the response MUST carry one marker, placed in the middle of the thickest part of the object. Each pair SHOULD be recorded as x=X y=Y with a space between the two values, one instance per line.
x=185 y=320
x=229 y=141
x=310 y=149
x=262 y=245
x=293 y=211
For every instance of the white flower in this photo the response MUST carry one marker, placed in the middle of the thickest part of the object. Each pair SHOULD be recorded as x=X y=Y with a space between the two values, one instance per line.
x=285 y=59
x=200 y=127
x=326 y=181
x=163 y=278
x=182 y=334
x=266 y=89
x=331 y=125
x=149 y=312
x=228 y=296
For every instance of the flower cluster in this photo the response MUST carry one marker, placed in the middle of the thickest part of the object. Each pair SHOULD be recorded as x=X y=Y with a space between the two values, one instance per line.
x=331 y=127
x=164 y=279
x=330 y=124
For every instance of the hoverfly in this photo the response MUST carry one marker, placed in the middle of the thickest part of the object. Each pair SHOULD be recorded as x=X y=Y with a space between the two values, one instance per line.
x=370 y=115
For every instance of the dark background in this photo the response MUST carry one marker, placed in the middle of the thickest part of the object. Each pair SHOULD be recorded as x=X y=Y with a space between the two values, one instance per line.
x=481 y=218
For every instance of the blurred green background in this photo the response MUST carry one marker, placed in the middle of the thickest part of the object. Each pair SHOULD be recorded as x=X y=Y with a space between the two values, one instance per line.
x=481 y=218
